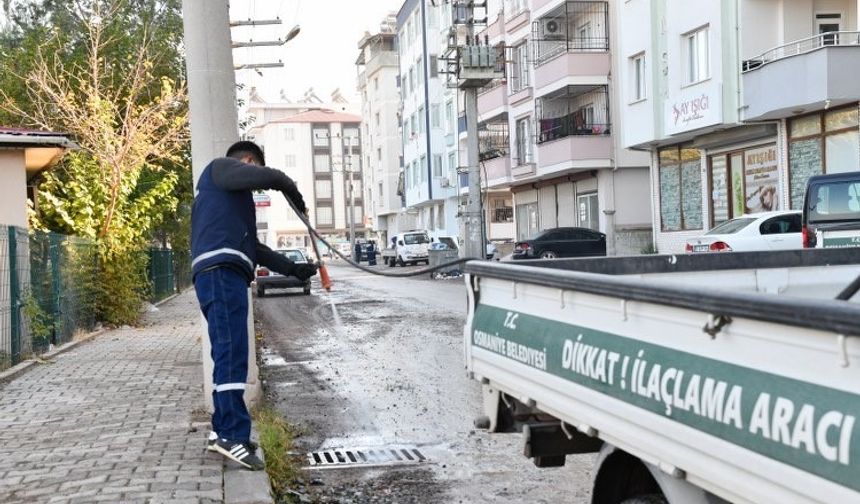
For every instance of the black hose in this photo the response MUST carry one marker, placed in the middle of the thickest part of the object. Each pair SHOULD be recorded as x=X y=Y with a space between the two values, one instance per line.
x=849 y=291
x=423 y=271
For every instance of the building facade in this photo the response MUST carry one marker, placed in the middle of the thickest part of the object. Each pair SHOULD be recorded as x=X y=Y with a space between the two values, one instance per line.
x=379 y=85
x=428 y=118
x=737 y=103
x=320 y=149
x=547 y=130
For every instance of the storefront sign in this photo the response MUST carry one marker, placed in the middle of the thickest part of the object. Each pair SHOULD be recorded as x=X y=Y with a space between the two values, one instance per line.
x=761 y=173
x=693 y=108
x=262 y=200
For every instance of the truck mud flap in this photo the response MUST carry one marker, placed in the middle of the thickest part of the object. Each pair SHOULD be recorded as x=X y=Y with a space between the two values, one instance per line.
x=547 y=444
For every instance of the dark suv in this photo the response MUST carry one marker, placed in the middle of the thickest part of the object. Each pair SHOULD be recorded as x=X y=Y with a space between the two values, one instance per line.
x=831 y=211
x=562 y=242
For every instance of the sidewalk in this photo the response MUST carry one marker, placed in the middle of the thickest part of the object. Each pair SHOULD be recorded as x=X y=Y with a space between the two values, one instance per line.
x=109 y=420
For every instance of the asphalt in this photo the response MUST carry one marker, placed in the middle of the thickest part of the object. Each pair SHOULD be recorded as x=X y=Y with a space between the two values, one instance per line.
x=378 y=362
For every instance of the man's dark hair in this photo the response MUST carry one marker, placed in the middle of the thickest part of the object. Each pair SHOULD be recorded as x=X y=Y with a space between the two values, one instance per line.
x=245 y=148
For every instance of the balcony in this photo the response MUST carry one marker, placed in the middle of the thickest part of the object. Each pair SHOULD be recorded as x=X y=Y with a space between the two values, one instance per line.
x=493 y=100
x=573 y=27
x=573 y=111
x=822 y=71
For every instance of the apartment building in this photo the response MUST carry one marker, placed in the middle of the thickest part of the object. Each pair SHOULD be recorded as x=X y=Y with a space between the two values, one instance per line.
x=428 y=117
x=547 y=131
x=738 y=104
x=320 y=149
x=378 y=83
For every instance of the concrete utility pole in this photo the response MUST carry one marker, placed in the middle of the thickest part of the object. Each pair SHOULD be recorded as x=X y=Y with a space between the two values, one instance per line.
x=472 y=65
x=214 y=127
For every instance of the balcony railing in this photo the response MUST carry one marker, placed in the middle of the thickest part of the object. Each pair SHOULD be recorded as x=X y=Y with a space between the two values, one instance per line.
x=573 y=27
x=573 y=111
x=803 y=46
x=494 y=143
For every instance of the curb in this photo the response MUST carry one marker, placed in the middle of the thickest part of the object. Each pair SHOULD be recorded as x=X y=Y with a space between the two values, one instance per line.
x=242 y=486
x=13 y=372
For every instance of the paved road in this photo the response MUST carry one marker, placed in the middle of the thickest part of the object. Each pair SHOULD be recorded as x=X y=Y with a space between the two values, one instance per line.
x=378 y=362
x=109 y=421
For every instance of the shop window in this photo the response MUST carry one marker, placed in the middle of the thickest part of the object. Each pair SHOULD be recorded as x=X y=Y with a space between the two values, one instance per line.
x=828 y=142
x=680 y=189
x=743 y=182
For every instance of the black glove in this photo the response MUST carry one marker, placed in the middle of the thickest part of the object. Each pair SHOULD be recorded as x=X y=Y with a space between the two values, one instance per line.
x=304 y=271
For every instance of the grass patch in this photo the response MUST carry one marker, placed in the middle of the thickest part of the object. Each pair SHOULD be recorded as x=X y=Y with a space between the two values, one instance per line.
x=276 y=440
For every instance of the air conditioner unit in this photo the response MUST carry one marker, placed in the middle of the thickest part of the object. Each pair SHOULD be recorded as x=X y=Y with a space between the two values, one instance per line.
x=553 y=29
x=444 y=182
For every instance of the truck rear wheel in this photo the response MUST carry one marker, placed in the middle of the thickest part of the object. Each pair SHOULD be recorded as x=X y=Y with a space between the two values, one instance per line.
x=400 y=262
x=390 y=262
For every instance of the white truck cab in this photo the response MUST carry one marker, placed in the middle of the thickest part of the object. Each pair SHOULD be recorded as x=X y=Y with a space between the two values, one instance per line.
x=409 y=247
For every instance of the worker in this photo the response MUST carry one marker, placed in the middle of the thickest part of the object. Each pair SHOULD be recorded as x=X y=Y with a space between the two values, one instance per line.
x=225 y=252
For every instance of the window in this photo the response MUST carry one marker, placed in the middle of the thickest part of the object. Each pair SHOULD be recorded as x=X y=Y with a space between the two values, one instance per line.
x=782 y=224
x=419 y=68
x=501 y=209
x=377 y=119
x=320 y=137
x=449 y=115
x=423 y=169
x=322 y=163
x=743 y=182
x=519 y=68
x=527 y=220
x=822 y=143
x=452 y=168
x=436 y=116
x=376 y=83
x=412 y=78
x=697 y=55
x=405 y=81
x=325 y=216
x=637 y=64
x=524 y=141
x=415 y=124
x=421 y=120
x=437 y=165
x=680 y=189
x=378 y=154
x=587 y=206
x=289 y=134
x=323 y=189
x=290 y=161
x=434 y=66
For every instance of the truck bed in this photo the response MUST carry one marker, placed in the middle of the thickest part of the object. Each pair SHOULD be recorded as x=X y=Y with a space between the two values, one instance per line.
x=737 y=372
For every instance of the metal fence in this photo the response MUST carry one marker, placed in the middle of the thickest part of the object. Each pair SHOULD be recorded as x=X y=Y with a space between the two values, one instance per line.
x=48 y=288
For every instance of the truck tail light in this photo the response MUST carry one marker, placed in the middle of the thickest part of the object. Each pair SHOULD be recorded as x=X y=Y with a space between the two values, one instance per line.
x=720 y=247
x=262 y=272
x=804 y=233
x=689 y=248
x=523 y=246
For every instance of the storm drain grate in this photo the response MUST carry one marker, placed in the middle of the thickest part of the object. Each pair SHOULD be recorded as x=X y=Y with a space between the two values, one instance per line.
x=348 y=457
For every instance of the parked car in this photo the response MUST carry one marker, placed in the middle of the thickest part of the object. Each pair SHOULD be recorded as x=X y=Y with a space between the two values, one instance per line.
x=266 y=279
x=759 y=231
x=831 y=211
x=562 y=242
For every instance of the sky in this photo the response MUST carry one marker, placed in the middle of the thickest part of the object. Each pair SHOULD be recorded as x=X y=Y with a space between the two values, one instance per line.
x=322 y=56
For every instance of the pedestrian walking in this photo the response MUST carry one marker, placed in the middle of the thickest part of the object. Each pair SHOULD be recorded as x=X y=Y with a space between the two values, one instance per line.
x=225 y=253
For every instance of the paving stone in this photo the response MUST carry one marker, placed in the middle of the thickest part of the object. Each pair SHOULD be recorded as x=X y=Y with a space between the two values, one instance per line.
x=108 y=420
